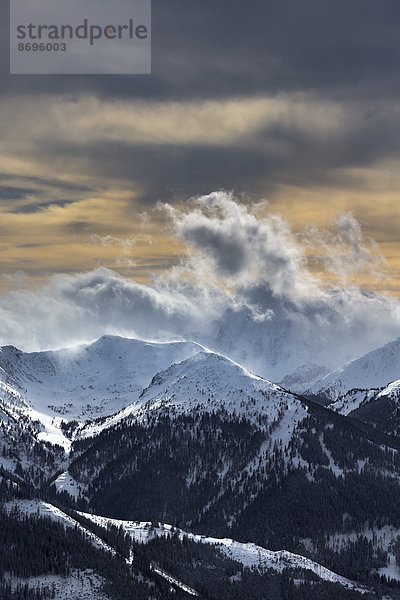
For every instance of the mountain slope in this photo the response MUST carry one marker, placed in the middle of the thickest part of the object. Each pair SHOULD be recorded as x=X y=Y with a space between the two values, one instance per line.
x=382 y=409
x=199 y=415
x=205 y=383
x=304 y=377
x=250 y=555
x=151 y=556
x=349 y=402
x=208 y=446
x=373 y=370
x=83 y=382
x=219 y=450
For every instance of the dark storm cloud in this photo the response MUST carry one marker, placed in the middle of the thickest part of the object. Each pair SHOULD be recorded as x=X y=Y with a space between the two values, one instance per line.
x=346 y=52
x=294 y=151
x=209 y=49
x=36 y=196
x=36 y=206
x=176 y=172
x=48 y=182
x=15 y=193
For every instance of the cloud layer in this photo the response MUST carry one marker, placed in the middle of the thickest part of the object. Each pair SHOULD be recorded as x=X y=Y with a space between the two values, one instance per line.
x=243 y=288
x=293 y=101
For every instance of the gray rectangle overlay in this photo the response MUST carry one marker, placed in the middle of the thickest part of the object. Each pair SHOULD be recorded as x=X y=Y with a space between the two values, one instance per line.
x=80 y=37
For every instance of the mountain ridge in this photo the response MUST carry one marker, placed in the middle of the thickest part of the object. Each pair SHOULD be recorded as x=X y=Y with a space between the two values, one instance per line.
x=375 y=369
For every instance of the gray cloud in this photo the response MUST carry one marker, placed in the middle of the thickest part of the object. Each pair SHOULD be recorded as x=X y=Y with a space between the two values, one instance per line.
x=297 y=140
x=214 y=49
x=240 y=247
x=346 y=252
x=346 y=53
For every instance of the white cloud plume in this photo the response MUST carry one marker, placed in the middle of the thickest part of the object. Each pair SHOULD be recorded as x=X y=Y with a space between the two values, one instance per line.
x=244 y=289
x=241 y=248
x=346 y=251
x=109 y=240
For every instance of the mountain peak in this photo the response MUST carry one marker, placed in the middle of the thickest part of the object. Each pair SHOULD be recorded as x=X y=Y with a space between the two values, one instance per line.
x=373 y=370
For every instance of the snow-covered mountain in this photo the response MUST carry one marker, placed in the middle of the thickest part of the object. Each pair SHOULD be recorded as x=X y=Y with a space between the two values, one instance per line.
x=373 y=370
x=380 y=408
x=209 y=393
x=304 y=377
x=83 y=382
x=88 y=380
x=209 y=382
x=391 y=391
x=176 y=433
x=124 y=380
x=352 y=400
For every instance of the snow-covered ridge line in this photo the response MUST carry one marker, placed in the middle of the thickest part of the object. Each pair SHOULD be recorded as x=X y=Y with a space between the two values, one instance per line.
x=39 y=508
x=170 y=579
x=392 y=388
x=116 y=379
x=373 y=370
x=249 y=554
x=204 y=382
x=83 y=382
x=87 y=382
x=352 y=400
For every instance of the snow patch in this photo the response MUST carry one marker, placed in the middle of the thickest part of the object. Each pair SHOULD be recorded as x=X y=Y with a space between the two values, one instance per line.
x=66 y=483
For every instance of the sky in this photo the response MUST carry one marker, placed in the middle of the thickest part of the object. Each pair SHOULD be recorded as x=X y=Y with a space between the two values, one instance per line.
x=277 y=114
